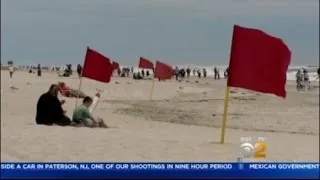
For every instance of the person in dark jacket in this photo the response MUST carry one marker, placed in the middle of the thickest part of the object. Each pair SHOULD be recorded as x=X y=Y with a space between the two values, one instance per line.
x=204 y=72
x=39 y=70
x=188 y=72
x=49 y=109
x=79 y=70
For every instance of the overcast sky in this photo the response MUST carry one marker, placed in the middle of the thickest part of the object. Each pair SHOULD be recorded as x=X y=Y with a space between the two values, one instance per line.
x=174 y=31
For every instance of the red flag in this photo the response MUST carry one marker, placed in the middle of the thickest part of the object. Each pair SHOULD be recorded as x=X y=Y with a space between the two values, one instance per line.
x=145 y=63
x=163 y=71
x=258 y=61
x=115 y=65
x=97 y=67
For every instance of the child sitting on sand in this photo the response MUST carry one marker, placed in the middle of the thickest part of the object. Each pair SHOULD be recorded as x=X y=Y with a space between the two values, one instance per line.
x=83 y=117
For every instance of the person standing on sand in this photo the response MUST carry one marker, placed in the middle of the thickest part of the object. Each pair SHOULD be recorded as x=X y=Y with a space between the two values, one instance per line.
x=176 y=73
x=49 y=109
x=182 y=73
x=39 y=70
x=299 y=80
x=226 y=73
x=204 y=72
x=306 y=79
x=215 y=70
x=11 y=70
x=199 y=73
x=83 y=117
x=79 y=70
x=188 y=72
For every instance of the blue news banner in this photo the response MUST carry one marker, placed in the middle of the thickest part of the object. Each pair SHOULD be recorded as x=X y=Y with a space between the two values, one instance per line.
x=160 y=170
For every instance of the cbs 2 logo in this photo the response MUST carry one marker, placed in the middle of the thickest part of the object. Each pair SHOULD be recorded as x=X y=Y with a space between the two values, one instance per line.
x=257 y=151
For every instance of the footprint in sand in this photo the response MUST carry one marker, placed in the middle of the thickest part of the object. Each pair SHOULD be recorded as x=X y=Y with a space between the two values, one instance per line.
x=12 y=87
x=99 y=90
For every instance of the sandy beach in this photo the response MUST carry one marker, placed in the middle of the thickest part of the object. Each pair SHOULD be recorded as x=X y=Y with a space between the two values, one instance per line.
x=181 y=123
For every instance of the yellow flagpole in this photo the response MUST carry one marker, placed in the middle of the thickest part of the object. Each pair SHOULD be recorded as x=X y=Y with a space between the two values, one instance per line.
x=152 y=87
x=225 y=113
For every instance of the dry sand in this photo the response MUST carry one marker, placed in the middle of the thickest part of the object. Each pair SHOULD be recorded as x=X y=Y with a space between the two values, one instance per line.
x=182 y=123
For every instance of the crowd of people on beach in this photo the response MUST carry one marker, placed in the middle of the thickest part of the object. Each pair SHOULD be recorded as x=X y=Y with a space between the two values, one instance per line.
x=182 y=73
x=302 y=75
x=66 y=72
x=178 y=73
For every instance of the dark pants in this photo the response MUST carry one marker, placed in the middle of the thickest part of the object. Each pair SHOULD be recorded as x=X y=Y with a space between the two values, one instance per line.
x=79 y=72
x=216 y=76
x=64 y=121
x=11 y=73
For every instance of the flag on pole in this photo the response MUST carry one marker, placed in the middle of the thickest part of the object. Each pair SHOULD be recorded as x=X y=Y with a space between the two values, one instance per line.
x=145 y=63
x=258 y=61
x=163 y=71
x=115 y=65
x=97 y=67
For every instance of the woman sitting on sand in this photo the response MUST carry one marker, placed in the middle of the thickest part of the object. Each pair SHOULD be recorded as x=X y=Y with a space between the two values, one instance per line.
x=49 y=109
x=83 y=118
x=68 y=92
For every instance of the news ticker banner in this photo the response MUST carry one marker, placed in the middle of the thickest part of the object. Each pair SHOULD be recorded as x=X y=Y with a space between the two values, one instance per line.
x=160 y=170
